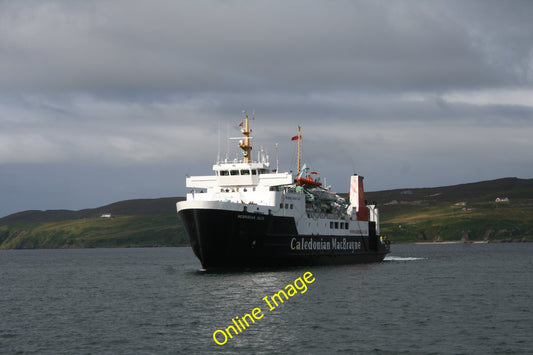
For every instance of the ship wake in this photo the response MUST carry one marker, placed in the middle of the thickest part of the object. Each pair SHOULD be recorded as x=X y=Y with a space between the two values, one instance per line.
x=402 y=258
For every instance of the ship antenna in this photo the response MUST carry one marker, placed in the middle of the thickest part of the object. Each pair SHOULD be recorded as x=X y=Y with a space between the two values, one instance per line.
x=277 y=158
x=227 y=142
x=299 y=147
x=218 y=153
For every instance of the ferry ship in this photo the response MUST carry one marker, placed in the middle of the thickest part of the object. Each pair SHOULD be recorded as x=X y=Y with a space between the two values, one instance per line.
x=248 y=215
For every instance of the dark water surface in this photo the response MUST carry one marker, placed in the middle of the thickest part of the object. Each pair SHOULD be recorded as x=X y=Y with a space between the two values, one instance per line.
x=442 y=299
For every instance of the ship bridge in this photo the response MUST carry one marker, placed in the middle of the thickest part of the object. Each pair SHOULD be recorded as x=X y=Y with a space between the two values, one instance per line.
x=240 y=174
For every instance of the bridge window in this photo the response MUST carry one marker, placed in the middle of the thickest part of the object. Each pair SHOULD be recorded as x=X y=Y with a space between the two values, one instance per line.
x=254 y=172
x=245 y=172
x=224 y=173
x=234 y=172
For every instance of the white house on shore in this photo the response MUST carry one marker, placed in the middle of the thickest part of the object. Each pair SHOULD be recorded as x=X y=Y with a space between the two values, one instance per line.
x=502 y=200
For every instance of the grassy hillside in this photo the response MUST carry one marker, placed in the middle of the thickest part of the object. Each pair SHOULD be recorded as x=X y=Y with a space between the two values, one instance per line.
x=133 y=223
x=123 y=208
x=463 y=212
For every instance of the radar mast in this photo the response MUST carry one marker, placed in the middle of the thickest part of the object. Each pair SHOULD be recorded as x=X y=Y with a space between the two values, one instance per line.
x=246 y=146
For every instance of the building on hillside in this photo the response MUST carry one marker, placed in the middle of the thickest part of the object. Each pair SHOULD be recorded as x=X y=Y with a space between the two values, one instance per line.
x=502 y=200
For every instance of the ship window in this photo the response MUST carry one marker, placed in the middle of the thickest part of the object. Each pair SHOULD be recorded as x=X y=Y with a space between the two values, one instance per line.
x=234 y=172
x=245 y=172
x=292 y=206
x=331 y=225
x=287 y=205
x=347 y=225
x=336 y=225
x=254 y=172
x=224 y=173
x=281 y=205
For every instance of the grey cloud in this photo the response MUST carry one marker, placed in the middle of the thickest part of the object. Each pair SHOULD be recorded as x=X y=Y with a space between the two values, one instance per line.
x=179 y=46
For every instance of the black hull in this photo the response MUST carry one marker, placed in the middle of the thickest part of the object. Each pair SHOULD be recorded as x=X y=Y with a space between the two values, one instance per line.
x=234 y=240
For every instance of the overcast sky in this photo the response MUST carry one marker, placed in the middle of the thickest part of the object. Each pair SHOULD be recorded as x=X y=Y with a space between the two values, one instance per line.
x=102 y=101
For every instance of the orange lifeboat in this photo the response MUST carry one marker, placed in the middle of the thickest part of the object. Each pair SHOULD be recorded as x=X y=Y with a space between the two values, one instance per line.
x=309 y=180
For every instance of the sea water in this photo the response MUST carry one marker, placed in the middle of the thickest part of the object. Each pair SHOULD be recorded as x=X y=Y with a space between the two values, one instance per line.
x=426 y=299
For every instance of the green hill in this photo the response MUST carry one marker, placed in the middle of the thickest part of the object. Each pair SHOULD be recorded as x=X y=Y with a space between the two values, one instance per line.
x=132 y=223
x=465 y=212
